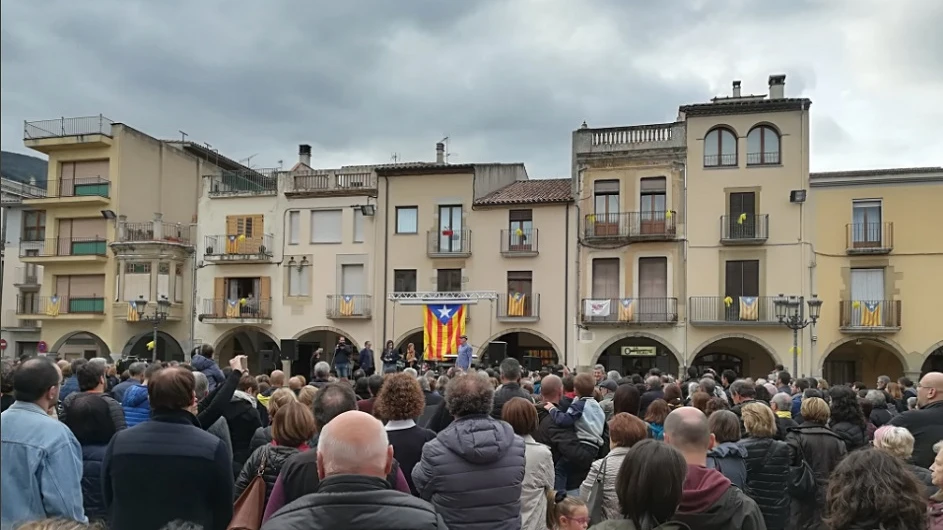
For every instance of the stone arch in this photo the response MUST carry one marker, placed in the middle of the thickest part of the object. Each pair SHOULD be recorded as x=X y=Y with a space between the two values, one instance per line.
x=398 y=341
x=893 y=347
x=933 y=349
x=745 y=336
x=637 y=334
x=230 y=333
x=173 y=349
x=529 y=331
x=102 y=345
x=329 y=329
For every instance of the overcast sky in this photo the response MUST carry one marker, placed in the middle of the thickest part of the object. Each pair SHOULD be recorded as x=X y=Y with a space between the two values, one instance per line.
x=507 y=80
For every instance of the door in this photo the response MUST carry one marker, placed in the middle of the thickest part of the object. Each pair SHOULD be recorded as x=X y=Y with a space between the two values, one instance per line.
x=741 y=224
x=653 y=289
x=352 y=279
x=251 y=227
x=448 y=280
x=652 y=203
x=521 y=231
x=742 y=278
x=450 y=229
x=867 y=298
x=866 y=225
x=605 y=287
x=605 y=208
x=521 y=282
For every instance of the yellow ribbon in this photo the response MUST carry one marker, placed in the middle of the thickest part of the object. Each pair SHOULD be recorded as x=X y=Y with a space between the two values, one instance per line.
x=150 y=345
x=242 y=301
x=668 y=214
x=728 y=301
x=797 y=351
x=519 y=232
x=742 y=218
x=242 y=237
x=856 y=304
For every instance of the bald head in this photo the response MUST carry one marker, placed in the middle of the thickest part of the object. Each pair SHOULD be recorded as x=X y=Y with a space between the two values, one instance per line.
x=930 y=389
x=354 y=443
x=686 y=429
x=277 y=379
x=551 y=388
x=295 y=383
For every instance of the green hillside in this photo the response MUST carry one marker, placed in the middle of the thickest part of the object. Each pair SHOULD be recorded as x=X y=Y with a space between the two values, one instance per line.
x=19 y=167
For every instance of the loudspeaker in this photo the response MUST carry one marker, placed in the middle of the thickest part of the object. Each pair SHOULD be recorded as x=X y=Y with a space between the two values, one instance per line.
x=266 y=361
x=290 y=349
x=497 y=351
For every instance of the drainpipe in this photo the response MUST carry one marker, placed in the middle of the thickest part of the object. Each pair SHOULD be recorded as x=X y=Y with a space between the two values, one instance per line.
x=684 y=263
x=579 y=247
x=386 y=250
x=566 y=283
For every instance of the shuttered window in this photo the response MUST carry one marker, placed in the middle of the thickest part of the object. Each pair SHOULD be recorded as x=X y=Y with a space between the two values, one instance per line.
x=606 y=278
x=742 y=278
x=251 y=226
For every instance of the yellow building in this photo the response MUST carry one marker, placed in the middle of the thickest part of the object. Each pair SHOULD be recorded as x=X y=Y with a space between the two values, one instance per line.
x=100 y=247
x=879 y=260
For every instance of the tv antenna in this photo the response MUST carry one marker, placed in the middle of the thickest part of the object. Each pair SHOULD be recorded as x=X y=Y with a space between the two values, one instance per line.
x=248 y=160
x=394 y=157
x=183 y=135
x=448 y=147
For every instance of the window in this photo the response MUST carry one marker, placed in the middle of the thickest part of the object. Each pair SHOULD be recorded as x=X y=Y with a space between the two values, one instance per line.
x=866 y=228
x=741 y=221
x=294 y=227
x=521 y=230
x=407 y=220
x=358 y=226
x=352 y=279
x=449 y=280
x=34 y=225
x=451 y=236
x=762 y=146
x=163 y=279
x=137 y=280
x=178 y=282
x=742 y=278
x=298 y=280
x=250 y=226
x=720 y=148
x=521 y=282
x=404 y=280
x=137 y=268
x=653 y=289
x=326 y=226
x=606 y=208
x=606 y=278
x=652 y=203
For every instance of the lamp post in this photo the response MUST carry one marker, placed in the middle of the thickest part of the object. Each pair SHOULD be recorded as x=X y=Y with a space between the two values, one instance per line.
x=158 y=318
x=790 y=310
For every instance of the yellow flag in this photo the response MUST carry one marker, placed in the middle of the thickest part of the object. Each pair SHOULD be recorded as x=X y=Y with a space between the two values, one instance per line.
x=150 y=345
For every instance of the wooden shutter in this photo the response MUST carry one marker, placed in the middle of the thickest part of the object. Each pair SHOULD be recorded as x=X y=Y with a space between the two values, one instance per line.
x=653 y=277
x=232 y=225
x=219 y=288
x=257 y=226
x=265 y=287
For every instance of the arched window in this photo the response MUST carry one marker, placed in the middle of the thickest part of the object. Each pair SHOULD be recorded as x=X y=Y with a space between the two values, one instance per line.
x=720 y=148
x=763 y=146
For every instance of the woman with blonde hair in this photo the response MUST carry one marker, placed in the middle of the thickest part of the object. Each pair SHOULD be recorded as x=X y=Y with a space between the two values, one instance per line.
x=898 y=441
x=411 y=358
x=278 y=399
x=767 y=464
x=58 y=524
x=306 y=396
x=292 y=430
x=935 y=508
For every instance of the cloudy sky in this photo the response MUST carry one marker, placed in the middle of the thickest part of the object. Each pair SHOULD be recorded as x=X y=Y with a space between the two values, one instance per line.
x=507 y=80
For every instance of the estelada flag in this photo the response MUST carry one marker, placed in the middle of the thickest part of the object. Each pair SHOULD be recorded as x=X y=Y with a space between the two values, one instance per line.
x=443 y=324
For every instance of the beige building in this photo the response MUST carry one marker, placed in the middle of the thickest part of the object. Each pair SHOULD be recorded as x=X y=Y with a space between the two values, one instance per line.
x=98 y=247
x=294 y=259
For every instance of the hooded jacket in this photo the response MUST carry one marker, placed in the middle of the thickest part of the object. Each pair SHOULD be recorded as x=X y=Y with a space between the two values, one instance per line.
x=768 y=479
x=472 y=473
x=730 y=459
x=275 y=457
x=209 y=368
x=243 y=420
x=136 y=405
x=855 y=436
x=823 y=450
x=262 y=436
x=710 y=502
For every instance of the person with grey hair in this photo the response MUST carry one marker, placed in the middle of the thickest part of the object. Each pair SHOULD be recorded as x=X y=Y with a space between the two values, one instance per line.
x=613 y=375
x=781 y=404
x=411 y=371
x=655 y=391
x=473 y=470
x=135 y=377
x=354 y=458
x=880 y=412
x=219 y=428
x=510 y=388
x=432 y=397
x=322 y=375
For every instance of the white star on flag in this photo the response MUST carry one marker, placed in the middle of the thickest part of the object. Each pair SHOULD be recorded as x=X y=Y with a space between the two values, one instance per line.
x=445 y=312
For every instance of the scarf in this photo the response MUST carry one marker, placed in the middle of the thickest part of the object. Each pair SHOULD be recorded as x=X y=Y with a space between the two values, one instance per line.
x=784 y=414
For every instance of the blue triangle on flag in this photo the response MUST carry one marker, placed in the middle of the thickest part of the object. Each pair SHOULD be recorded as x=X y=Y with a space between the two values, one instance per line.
x=444 y=312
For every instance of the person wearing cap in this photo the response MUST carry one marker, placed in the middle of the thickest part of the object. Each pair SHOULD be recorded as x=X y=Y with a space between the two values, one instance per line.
x=464 y=359
x=607 y=388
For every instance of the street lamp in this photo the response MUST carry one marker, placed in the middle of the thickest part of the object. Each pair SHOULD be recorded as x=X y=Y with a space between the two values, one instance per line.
x=790 y=310
x=158 y=318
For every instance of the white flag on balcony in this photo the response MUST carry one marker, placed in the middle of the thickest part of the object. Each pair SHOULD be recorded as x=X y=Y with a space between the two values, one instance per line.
x=596 y=308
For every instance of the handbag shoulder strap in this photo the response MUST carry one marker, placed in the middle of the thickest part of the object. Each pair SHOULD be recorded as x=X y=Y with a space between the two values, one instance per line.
x=262 y=461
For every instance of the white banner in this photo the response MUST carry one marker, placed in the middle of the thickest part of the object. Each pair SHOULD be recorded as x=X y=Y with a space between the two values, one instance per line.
x=596 y=308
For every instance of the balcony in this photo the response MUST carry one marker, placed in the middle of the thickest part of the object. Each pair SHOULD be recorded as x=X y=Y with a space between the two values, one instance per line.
x=449 y=243
x=60 y=307
x=732 y=311
x=869 y=238
x=238 y=249
x=26 y=278
x=349 y=306
x=243 y=183
x=332 y=184
x=13 y=321
x=65 y=133
x=627 y=227
x=767 y=158
x=587 y=141
x=236 y=311
x=725 y=160
x=519 y=307
x=869 y=316
x=82 y=191
x=65 y=249
x=629 y=311
x=744 y=229
x=519 y=243
x=154 y=232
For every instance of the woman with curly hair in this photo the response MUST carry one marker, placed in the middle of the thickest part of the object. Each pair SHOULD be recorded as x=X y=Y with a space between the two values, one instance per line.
x=872 y=489
x=398 y=404
x=847 y=419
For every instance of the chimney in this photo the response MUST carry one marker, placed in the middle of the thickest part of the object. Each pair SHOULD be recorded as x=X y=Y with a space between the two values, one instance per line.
x=304 y=154
x=736 y=89
x=440 y=153
x=777 y=86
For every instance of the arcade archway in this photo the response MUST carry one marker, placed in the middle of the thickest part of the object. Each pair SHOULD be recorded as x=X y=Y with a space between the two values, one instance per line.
x=168 y=349
x=245 y=340
x=414 y=337
x=746 y=356
x=77 y=344
x=320 y=337
x=934 y=360
x=862 y=359
x=531 y=348
x=637 y=354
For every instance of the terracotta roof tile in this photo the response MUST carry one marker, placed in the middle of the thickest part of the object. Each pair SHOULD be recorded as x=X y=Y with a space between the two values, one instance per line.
x=745 y=106
x=875 y=172
x=536 y=191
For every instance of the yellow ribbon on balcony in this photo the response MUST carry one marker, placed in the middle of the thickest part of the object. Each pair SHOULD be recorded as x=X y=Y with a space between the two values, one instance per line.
x=742 y=219
x=591 y=218
x=728 y=301
x=668 y=214
x=150 y=345
x=518 y=232
x=797 y=351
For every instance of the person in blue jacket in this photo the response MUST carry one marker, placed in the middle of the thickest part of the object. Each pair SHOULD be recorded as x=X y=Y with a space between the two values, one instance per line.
x=202 y=361
x=137 y=407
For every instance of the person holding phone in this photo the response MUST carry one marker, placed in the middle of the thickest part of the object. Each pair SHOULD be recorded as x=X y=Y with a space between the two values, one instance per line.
x=342 y=354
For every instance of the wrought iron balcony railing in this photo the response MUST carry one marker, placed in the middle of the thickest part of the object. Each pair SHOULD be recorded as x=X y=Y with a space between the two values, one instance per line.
x=64 y=246
x=629 y=311
x=447 y=243
x=638 y=226
x=62 y=127
x=519 y=242
x=744 y=228
x=243 y=182
x=732 y=310
x=349 y=306
x=59 y=305
x=236 y=308
x=221 y=246
x=870 y=316
x=26 y=277
x=519 y=306
x=869 y=238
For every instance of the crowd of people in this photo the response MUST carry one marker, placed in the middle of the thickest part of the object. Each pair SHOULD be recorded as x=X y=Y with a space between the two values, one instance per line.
x=190 y=446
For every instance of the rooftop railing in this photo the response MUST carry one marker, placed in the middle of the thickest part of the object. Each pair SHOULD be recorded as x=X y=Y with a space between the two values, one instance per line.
x=243 y=182
x=62 y=127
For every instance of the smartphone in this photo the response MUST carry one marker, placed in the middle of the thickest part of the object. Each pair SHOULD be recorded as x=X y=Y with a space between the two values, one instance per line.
x=244 y=362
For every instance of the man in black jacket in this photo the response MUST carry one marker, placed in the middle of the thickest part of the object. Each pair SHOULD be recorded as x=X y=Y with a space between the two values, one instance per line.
x=741 y=393
x=510 y=386
x=144 y=467
x=925 y=423
x=354 y=458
